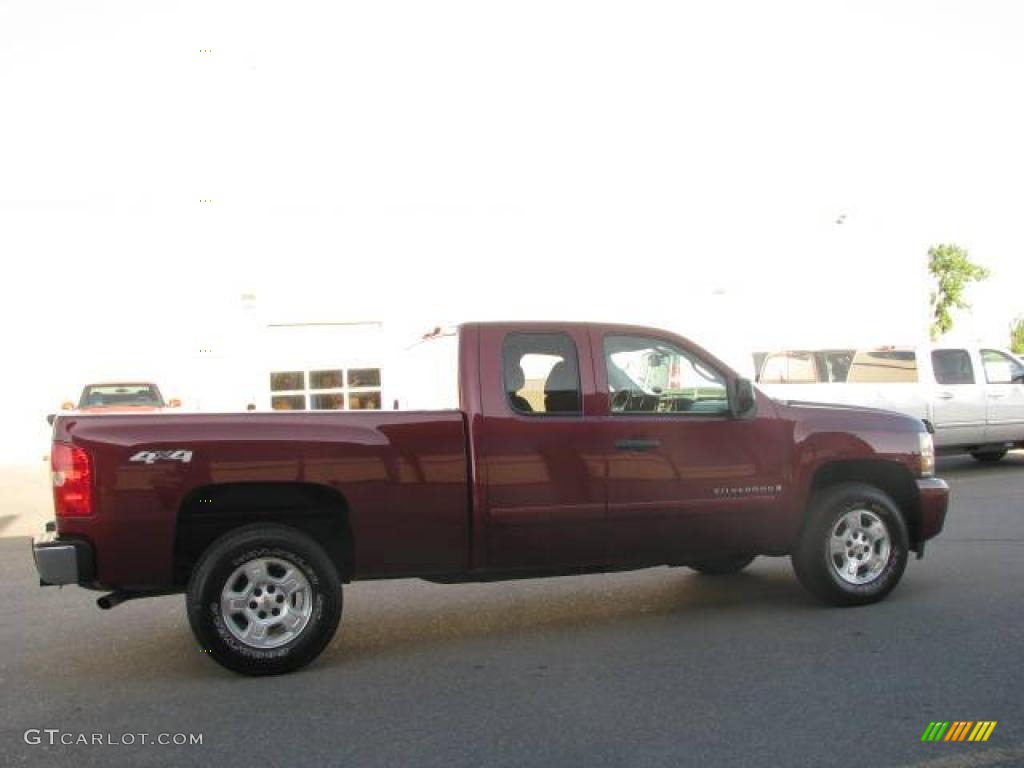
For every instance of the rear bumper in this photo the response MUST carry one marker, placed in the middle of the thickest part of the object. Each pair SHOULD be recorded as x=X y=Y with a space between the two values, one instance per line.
x=934 y=495
x=63 y=560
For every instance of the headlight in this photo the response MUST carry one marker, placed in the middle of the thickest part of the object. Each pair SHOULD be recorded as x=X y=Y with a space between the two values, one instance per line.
x=927 y=454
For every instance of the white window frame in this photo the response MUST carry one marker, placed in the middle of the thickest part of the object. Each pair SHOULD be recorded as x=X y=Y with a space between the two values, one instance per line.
x=345 y=390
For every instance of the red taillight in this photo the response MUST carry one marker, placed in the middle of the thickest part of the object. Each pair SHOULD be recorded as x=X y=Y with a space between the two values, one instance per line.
x=72 y=480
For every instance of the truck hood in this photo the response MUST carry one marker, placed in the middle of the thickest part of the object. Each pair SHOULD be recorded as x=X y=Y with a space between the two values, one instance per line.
x=849 y=417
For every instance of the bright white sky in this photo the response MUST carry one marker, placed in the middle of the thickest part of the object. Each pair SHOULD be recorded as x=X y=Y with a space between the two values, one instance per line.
x=417 y=162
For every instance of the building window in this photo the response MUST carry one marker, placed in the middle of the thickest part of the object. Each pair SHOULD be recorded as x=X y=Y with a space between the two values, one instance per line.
x=284 y=381
x=364 y=377
x=327 y=390
x=364 y=401
x=327 y=379
x=334 y=401
x=288 y=402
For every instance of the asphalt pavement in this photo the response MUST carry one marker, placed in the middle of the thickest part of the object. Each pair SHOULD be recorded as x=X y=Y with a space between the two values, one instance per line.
x=660 y=667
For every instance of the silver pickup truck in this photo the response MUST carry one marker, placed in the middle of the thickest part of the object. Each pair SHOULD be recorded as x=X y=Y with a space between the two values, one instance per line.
x=973 y=397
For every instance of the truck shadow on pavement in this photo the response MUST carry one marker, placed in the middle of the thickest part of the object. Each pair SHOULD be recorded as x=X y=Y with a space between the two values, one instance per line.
x=395 y=618
x=433 y=615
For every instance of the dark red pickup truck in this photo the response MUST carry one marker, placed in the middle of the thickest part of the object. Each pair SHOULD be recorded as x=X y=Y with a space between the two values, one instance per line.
x=575 y=448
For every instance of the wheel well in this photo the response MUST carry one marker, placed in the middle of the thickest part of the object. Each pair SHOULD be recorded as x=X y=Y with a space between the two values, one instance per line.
x=208 y=512
x=889 y=476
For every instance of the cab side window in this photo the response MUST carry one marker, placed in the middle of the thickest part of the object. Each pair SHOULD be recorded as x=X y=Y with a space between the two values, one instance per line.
x=835 y=363
x=952 y=367
x=790 y=367
x=647 y=375
x=889 y=366
x=542 y=374
x=821 y=366
x=1000 y=368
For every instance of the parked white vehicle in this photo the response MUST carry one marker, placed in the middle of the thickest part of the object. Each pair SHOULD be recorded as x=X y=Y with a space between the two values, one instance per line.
x=973 y=397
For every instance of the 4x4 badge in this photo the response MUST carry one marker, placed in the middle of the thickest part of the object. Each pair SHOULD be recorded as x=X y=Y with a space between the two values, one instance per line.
x=149 y=457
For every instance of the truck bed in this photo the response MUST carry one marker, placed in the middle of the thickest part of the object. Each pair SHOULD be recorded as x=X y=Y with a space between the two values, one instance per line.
x=401 y=478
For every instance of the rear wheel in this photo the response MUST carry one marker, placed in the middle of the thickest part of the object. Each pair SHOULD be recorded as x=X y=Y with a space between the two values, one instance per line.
x=264 y=599
x=853 y=550
x=722 y=566
x=988 y=457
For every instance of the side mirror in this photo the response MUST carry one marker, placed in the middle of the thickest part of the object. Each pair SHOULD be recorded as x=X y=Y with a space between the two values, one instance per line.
x=67 y=405
x=174 y=403
x=50 y=417
x=742 y=400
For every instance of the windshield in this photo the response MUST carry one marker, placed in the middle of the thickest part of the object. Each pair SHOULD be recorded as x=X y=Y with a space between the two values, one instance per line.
x=120 y=394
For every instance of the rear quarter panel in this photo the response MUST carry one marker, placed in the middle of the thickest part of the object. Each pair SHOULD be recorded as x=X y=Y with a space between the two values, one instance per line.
x=403 y=475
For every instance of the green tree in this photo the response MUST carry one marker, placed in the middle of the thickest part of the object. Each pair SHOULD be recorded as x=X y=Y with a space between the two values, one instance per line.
x=1017 y=336
x=952 y=271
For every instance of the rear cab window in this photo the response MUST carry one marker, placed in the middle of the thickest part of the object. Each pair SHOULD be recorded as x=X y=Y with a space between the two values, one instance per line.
x=952 y=367
x=541 y=374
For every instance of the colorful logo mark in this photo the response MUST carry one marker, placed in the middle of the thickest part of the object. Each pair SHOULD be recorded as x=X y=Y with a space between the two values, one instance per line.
x=959 y=730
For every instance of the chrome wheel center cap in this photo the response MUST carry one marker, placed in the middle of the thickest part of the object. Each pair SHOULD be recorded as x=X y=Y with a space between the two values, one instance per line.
x=859 y=547
x=266 y=602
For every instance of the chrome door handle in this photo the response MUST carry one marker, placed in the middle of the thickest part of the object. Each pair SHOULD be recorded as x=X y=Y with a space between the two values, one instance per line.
x=996 y=395
x=945 y=395
x=637 y=445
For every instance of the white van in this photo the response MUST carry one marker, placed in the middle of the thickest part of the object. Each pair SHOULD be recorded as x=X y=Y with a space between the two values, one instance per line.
x=972 y=397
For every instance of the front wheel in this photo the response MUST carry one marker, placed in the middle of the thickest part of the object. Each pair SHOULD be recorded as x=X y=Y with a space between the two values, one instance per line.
x=853 y=550
x=988 y=457
x=264 y=600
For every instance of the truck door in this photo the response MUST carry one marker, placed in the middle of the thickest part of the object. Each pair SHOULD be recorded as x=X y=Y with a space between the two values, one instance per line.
x=958 y=400
x=685 y=478
x=1004 y=386
x=544 y=485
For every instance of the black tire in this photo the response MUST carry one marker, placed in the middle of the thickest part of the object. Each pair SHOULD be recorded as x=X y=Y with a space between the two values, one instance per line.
x=988 y=457
x=722 y=566
x=268 y=543
x=813 y=559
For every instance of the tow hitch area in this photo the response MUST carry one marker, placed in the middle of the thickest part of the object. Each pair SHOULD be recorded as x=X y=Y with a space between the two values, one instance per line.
x=119 y=596
x=113 y=599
